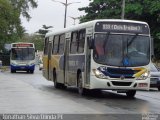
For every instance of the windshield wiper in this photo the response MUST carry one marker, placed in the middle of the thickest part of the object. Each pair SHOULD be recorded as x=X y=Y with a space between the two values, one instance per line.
x=125 y=60
x=106 y=40
x=131 y=41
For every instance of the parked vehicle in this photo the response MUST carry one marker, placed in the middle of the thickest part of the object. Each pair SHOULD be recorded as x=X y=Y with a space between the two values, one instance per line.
x=155 y=77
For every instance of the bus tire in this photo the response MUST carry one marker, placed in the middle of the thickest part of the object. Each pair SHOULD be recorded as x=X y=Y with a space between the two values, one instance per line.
x=158 y=88
x=131 y=93
x=81 y=90
x=32 y=71
x=13 y=71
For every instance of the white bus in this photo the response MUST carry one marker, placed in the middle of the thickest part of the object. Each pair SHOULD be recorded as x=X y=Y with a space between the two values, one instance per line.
x=107 y=54
x=22 y=57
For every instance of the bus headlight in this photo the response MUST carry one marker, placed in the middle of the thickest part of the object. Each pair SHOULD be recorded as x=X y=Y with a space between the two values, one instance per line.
x=31 y=64
x=13 y=63
x=99 y=74
x=143 y=76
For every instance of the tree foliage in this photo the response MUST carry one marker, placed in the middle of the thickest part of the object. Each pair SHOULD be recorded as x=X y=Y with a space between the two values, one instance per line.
x=143 y=10
x=44 y=30
x=11 y=28
x=36 y=39
x=22 y=7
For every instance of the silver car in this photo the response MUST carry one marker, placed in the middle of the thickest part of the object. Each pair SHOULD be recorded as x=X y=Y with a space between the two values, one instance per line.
x=155 y=77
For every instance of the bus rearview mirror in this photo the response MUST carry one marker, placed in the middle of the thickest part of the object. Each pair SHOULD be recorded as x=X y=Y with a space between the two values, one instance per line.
x=90 y=42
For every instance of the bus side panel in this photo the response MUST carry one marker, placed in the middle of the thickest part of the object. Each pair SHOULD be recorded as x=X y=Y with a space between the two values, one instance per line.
x=56 y=64
x=45 y=66
x=76 y=62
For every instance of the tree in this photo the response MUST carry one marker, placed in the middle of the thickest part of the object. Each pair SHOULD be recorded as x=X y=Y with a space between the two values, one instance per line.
x=101 y=9
x=10 y=23
x=44 y=30
x=143 y=10
x=22 y=7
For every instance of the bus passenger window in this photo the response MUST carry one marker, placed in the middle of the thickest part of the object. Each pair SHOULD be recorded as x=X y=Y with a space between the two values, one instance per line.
x=73 y=48
x=55 y=46
x=81 y=41
x=61 y=44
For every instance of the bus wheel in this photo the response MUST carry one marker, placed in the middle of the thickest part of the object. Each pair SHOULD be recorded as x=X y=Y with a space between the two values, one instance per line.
x=81 y=90
x=131 y=93
x=159 y=88
x=32 y=71
x=13 y=71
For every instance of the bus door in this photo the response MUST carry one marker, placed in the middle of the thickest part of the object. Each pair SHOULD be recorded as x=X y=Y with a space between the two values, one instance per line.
x=49 y=60
x=89 y=37
x=66 y=57
x=46 y=58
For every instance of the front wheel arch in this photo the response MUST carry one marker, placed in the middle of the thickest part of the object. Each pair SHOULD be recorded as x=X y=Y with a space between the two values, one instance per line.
x=81 y=89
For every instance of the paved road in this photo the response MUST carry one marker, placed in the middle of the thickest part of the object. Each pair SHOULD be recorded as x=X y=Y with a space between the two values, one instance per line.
x=31 y=93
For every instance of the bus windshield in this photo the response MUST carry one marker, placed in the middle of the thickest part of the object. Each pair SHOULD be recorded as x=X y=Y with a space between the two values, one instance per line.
x=122 y=50
x=22 y=54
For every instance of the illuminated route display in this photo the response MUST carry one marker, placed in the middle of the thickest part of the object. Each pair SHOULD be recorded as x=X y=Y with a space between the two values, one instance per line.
x=121 y=27
x=22 y=45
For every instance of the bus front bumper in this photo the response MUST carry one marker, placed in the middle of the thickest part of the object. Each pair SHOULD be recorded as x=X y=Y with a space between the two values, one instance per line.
x=19 y=67
x=126 y=84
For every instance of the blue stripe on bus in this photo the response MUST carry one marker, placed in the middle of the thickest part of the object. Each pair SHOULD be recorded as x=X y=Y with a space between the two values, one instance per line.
x=117 y=72
x=22 y=67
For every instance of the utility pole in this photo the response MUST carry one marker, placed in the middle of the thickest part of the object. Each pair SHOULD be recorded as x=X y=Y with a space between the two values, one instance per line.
x=123 y=9
x=66 y=4
x=74 y=19
x=65 y=15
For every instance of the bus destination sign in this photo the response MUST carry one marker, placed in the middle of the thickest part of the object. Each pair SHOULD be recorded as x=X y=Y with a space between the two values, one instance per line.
x=22 y=45
x=121 y=27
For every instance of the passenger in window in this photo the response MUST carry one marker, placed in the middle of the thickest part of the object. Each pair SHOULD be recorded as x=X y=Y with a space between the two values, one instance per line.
x=99 y=48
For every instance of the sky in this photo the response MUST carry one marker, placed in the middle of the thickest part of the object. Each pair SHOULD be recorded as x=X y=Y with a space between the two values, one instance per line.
x=51 y=13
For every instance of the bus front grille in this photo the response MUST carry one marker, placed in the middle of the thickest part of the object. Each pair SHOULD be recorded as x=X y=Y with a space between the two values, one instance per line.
x=116 y=83
x=118 y=72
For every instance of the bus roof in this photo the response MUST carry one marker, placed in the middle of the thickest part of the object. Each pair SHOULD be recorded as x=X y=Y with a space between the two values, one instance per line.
x=91 y=24
x=22 y=43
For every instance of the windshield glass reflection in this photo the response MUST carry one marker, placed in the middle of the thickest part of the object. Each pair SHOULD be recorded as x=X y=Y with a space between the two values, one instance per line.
x=122 y=50
x=23 y=54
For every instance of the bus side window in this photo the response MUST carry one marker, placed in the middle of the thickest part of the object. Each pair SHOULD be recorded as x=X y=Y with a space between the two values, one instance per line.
x=73 y=44
x=55 y=46
x=61 y=44
x=81 y=41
